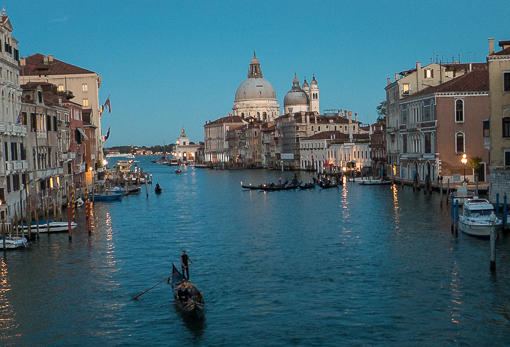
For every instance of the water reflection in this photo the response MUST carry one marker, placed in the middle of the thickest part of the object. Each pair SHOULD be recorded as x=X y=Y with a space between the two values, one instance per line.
x=7 y=315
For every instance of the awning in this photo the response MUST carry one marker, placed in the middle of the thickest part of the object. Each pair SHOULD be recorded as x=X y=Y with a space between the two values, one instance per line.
x=83 y=133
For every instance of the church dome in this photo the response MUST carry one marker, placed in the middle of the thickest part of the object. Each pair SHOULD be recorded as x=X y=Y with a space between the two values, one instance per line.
x=255 y=88
x=296 y=96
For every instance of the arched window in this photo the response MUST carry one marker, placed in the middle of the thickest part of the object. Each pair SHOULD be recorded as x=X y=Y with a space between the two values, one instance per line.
x=459 y=111
x=459 y=143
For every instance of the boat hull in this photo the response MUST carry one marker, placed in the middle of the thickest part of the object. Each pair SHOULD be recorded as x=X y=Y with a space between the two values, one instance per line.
x=478 y=228
x=111 y=197
x=13 y=242
x=55 y=227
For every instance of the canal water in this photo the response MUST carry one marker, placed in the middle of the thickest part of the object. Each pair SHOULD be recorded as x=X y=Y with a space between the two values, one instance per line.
x=353 y=266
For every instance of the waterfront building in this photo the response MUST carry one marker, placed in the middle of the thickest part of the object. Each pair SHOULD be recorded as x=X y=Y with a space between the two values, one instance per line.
x=406 y=84
x=290 y=128
x=84 y=85
x=255 y=97
x=215 y=135
x=250 y=144
x=440 y=124
x=499 y=121
x=268 y=132
x=90 y=145
x=77 y=147
x=13 y=133
x=378 y=145
x=184 y=150
x=48 y=144
x=331 y=151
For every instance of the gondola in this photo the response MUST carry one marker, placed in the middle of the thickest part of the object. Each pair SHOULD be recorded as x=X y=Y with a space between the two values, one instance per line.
x=249 y=186
x=327 y=184
x=195 y=305
x=307 y=186
x=158 y=189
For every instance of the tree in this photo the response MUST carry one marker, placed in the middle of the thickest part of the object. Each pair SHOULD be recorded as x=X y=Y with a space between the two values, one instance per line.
x=381 y=112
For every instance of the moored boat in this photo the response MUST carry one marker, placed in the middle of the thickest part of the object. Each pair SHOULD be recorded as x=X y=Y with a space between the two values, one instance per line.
x=13 y=242
x=55 y=227
x=373 y=182
x=188 y=299
x=476 y=218
x=107 y=197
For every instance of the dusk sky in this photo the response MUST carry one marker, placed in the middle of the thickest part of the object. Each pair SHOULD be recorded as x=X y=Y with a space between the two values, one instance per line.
x=168 y=64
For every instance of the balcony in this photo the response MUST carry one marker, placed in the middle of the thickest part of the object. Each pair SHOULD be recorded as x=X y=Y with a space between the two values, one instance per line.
x=8 y=167
x=3 y=127
x=41 y=134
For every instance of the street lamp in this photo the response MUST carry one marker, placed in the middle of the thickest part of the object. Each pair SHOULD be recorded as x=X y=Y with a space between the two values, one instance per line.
x=464 y=161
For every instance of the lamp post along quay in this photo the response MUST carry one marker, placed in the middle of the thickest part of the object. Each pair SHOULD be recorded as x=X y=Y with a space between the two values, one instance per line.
x=464 y=161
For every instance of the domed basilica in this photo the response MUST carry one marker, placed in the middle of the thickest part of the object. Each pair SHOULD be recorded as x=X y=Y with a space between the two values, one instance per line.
x=256 y=98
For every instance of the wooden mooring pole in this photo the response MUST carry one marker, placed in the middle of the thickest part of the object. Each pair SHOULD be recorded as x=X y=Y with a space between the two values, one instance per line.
x=493 y=242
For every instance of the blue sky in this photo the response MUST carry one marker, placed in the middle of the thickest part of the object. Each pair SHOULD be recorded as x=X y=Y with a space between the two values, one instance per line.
x=168 y=64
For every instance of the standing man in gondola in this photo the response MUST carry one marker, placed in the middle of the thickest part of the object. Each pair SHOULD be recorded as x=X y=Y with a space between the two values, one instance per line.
x=184 y=264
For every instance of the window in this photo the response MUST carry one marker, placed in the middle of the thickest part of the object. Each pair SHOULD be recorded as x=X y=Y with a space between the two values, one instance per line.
x=506 y=81
x=84 y=87
x=428 y=143
x=459 y=111
x=459 y=143
x=506 y=126
x=406 y=88
x=60 y=88
x=428 y=73
x=507 y=158
x=85 y=102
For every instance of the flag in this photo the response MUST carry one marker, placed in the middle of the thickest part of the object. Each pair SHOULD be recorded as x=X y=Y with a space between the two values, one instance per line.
x=107 y=134
x=107 y=104
x=20 y=118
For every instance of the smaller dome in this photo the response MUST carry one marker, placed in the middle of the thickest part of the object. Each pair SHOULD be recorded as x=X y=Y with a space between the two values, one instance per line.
x=305 y=85
x=296 y=96
x=314 y=82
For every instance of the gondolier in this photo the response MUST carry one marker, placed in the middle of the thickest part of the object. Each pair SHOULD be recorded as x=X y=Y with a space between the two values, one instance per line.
x=184 y=264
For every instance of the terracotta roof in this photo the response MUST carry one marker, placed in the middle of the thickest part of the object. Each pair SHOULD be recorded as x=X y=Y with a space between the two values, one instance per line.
x=338 y=136
x=231 y=119
x=505 y=51
x=474 y=81
x=460 y=67
x=35 y=66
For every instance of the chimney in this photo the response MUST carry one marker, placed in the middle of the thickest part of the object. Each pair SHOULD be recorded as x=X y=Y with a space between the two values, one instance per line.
x=50 y=57
x=491 y=46
x=396 y=76
x=356 y=116
x=419 y=77
x=22 y=62
x=388 y=81
x=470 y=67
x=350 y=116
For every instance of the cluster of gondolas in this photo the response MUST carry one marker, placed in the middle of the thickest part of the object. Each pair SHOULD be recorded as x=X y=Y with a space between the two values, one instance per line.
x=322 y=182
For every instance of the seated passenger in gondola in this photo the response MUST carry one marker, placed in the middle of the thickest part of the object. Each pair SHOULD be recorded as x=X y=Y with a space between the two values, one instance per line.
x=183 y=294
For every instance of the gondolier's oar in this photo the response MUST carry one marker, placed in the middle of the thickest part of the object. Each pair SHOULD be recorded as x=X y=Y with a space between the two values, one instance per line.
x=154 y=286
x=136 y=297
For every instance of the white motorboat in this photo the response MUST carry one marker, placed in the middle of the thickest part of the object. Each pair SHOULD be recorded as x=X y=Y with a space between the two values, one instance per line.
x=476 y=218
x=55 y=227
x=12 y=242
